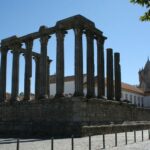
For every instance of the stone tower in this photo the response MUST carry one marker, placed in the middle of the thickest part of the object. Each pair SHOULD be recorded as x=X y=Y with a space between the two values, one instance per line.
x=144 y=78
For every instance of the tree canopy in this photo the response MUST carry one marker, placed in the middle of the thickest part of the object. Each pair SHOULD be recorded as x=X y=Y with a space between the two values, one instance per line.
x=144 y=3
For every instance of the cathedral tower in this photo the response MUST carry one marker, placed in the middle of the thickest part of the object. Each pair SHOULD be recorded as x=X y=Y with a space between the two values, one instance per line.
x=144 y=78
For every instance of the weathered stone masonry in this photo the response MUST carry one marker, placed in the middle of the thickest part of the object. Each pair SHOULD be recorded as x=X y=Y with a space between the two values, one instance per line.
x=62 y=116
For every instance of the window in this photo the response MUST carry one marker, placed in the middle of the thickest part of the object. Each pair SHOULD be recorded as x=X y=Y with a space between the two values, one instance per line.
x=134 y=99
x=121 y=95
x=138 y=101
x=142 y=102
x=130 y=97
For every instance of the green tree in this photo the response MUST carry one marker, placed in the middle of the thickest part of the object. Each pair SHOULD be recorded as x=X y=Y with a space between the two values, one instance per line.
x=144 y=3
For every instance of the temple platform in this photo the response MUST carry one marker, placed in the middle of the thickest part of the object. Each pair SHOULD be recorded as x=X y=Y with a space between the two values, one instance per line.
x=64 y=117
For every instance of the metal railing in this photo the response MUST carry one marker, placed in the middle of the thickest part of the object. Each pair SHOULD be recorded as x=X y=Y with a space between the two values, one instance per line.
x=90 y=140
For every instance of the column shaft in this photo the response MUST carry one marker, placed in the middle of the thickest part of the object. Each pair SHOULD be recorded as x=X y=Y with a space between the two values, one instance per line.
x=37 y=75
x=3 y=70
x=90 y=65
x=43 y=67
x=60 y=64
x=15 y=74
x=48 y=76
x=110 y=88
x=100 y=68
x=117 y=76
x=28 y=69
x=78 y=62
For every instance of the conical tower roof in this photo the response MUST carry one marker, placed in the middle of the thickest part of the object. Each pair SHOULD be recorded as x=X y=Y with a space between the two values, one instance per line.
x=147 y=65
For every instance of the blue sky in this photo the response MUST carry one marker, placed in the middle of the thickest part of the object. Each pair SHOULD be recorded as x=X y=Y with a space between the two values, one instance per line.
x=118 y=19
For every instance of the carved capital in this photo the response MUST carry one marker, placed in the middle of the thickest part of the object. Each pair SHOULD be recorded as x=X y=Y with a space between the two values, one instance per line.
x=44 y=39
x=15 y=44
x=43 y=30
x=4 y=49
x=78 y=31
x=36 y=58
x=89 y=34
x=29 y=44
x=49 y=61
x=44 y=35
x=15 y=52
x=60 y=34
x=100 y=39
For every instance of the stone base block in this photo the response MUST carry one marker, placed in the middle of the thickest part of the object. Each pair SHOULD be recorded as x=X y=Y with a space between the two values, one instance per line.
x=63 y=117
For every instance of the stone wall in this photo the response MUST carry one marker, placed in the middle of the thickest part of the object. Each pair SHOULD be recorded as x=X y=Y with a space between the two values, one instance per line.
x=65 y=116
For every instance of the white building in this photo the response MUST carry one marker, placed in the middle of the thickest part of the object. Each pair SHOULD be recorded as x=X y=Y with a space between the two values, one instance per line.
x=130 y=93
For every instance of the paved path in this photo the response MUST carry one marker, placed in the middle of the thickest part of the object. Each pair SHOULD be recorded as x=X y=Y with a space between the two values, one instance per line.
x=81 y=143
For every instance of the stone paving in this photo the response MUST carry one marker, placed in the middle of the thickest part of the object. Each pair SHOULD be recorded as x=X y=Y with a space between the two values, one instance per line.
x=81 y=143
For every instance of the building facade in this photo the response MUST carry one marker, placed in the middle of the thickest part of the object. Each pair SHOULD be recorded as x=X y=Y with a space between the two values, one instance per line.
x=144 y=79
x=131 y=94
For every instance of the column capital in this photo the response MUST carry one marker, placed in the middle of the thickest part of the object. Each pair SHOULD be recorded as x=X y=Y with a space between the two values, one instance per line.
x=60 y=34
x=43 y=29
x=89 y=35
x=36 y=58
x=44 y=36
x=44 y=39
x=78 y=30
x=49 y=60
x=100 y=39
x=4 y=49
x=16 y=47
x=16 y=51
x=29 y=43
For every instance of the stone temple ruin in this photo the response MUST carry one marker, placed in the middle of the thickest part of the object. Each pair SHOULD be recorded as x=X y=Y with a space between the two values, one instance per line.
x=62 y=116
x=80 y=25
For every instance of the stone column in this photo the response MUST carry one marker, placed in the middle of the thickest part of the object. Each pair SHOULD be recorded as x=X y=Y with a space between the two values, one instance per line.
x=37 y=75
x=100 y=68
x=48 y=76
x=43 y=64
x=28 y=69
x=15 y=73
x=117 y=76
x=110 y=88
x=78 y=62
x=3 y=70
x=90 y=64
x=60 y=64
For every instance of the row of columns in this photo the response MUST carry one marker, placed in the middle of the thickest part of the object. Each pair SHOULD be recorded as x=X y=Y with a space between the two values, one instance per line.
x=16 y=51
x=113 y=69
x=78 y=31
x=42 y=67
